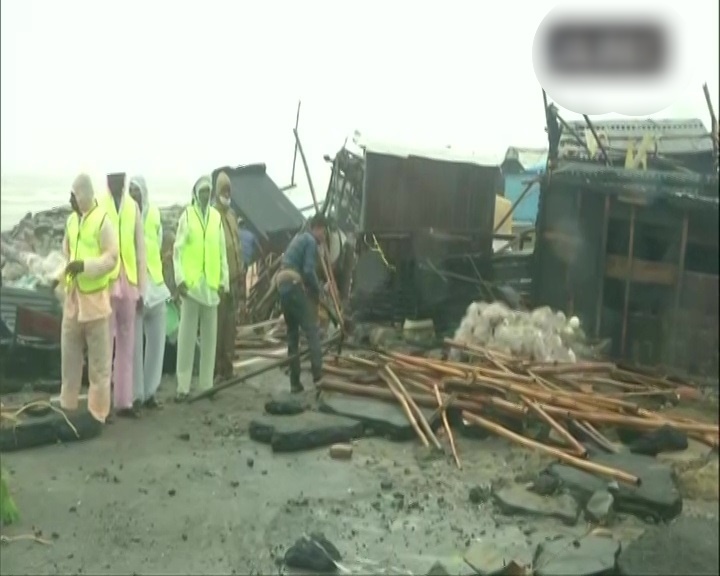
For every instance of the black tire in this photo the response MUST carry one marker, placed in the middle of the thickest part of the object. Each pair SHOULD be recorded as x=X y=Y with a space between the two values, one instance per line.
x=49 y=429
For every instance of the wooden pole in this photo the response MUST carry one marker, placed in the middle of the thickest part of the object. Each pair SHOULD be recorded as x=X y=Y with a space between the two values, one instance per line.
x=628 y=282
x=297 y=123
x=603 y=258
x=679 y=283
x=324 y=256
x=245 y=377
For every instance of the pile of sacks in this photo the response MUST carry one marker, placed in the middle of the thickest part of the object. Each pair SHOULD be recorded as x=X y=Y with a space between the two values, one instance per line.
x=541 y=335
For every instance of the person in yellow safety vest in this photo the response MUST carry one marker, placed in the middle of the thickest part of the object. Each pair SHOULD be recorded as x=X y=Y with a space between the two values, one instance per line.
x=127 y=289
x=228 y=307
x=150 y=320
x=90 y=247
x=201 y=276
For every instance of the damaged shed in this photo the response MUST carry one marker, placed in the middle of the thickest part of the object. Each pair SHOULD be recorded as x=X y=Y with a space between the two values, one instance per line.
x=634 y=254
x=424 y=222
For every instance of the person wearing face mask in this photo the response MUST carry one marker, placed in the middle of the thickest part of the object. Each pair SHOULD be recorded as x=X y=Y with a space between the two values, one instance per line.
x=128 y=286
x=201 y=276
x=150 y=320
x=90 y=246
x=228 y=307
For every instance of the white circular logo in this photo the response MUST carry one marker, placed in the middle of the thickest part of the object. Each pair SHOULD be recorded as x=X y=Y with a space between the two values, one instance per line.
x=628 y=59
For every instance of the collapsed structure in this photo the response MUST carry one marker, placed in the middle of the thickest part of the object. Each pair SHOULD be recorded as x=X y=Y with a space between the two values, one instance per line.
x=627 y=238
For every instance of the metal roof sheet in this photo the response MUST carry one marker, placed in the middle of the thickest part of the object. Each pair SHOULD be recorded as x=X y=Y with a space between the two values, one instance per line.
x=257 y=199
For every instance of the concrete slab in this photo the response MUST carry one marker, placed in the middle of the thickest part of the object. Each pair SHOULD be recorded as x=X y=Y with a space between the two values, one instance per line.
x=516 y=499
x=687 y=546
x=304 y=431
x=489 y=556
x=377 y=417
x=589 y=556
x=657 y=498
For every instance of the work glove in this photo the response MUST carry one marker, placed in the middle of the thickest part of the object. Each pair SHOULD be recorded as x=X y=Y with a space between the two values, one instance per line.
x=75 y=267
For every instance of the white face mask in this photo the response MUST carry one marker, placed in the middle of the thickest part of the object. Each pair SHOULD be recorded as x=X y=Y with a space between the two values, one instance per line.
x=224 y=201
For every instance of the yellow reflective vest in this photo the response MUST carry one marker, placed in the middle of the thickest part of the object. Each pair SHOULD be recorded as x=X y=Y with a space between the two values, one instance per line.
x=151 y=227
x=201 y=253
x=83 y=237
x=124 y=223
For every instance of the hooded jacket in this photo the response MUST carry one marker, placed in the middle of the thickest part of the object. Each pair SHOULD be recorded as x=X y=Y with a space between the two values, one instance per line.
x=155 y=290
x=232 y=236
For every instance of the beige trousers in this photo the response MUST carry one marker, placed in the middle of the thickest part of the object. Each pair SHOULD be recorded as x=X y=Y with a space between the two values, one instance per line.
x=76 y=337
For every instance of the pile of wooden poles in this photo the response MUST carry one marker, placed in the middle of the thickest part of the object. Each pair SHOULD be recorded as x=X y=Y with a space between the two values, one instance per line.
x=581 y=396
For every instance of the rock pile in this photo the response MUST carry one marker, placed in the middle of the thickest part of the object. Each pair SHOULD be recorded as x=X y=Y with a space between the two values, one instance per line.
x=541 y=335
x=32 y=251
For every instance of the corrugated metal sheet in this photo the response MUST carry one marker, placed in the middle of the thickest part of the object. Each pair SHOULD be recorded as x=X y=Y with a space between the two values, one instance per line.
x=445 y=154
x=262 y=205
x=700 y=187
x=410 y=193
x=526 y=210
x=42 y=300
x=671 y=137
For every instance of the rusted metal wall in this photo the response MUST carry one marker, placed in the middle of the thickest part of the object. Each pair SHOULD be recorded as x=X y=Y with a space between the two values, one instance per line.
x=635 y=256
x=410 y=193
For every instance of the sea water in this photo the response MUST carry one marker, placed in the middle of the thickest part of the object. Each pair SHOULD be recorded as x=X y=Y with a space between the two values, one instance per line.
x=23 y=193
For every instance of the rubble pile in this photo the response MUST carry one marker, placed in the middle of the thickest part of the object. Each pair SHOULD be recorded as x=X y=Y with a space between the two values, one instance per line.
x=31 y=253
x=574 y=402
x=540 y=335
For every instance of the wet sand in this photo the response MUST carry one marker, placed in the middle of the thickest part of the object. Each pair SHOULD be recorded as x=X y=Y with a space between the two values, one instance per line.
x=185 y=490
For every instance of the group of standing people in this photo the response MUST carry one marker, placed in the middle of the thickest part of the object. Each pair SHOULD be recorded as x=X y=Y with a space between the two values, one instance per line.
x=115 y=293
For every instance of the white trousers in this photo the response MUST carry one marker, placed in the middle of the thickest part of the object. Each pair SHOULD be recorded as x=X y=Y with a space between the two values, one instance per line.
x=192 y=315
x=147 y=366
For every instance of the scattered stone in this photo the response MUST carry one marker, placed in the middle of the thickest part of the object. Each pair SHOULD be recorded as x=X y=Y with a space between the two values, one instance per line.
x=698 y=478
x=587 y=556
x=185 y=437
x=386 y=484
x=687 y=546
x=657 y=497
x=304 y=431
x=341 y=451
x=438 y=569
x=545 y=484
x=491 y=557
x=284 y=406
x=172 y=492
x=664 y=439
x=312 y=553
x=383 y=418
x=599 y=508
x=480 y=494
x=250 y=462
x=517 y=500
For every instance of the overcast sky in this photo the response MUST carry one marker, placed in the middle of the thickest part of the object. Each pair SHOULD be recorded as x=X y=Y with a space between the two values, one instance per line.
x=182 y=87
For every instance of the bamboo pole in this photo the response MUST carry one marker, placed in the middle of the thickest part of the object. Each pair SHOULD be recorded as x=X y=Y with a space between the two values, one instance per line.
x=448 y=430
x=418 y=413
x=579 y=463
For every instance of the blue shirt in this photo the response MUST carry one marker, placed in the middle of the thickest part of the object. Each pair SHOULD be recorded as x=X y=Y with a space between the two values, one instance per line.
x=301 y=256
